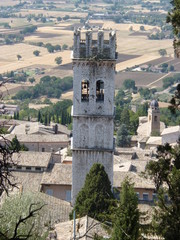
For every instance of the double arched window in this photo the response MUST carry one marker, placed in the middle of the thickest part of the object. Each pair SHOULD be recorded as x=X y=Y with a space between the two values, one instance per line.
x=99 y=91
x=85 y=91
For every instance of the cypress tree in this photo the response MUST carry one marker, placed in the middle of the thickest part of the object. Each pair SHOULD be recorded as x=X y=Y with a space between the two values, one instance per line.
x=95 y=199
x=126 y=225
x=39 y=116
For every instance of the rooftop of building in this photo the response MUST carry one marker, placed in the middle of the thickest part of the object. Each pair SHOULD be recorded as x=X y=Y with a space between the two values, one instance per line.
x=154 y=141
x=33 y=138
x=33 y=159
x=28 y=181
x=38 y=128
x=139 y=182
x=61 y=174
x=171 y=130
x=142 y=129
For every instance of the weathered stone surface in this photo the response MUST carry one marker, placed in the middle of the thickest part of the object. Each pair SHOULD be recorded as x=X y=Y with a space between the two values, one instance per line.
x=93 y=105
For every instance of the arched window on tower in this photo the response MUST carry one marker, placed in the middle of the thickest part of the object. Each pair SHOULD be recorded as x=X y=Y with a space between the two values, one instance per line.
x=85 y=91
x=155 y=118
x=99 y=91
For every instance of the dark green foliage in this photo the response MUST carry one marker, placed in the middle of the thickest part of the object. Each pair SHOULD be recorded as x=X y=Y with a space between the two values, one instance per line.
x=126 y=224
x=123 y=137
x=129 y=84
x=175 y=102
x=125 y=117
x=16 y=146
x=145 y=93
x=169 y=118
x=119 y=99
x=169 y=81
x=49 y=86
x=95 y=199
x=174 y=18
x=65 y=46
x=166 y=174
x=36 y=53
x=30 y=29
x=60 y=109
x=162 y=52
x=31 y=80
x=58 y=60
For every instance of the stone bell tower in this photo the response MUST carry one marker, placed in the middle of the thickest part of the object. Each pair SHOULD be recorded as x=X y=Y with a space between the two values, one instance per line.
x=93 y=104
x=153 y=118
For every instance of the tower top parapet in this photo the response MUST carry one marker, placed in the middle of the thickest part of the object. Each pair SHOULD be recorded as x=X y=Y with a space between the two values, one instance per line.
x=154 y=104
x=97 y=48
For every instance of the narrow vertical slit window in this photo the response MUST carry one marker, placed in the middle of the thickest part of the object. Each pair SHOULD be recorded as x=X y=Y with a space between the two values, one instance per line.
x=99 y=91
x=85 y=91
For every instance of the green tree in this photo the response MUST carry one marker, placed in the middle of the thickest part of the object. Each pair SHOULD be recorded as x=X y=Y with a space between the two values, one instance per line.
x=57 y=47
x=58 y=60
x=142 y=28
x=123 y=137
x=126 y=224
x=59 y=19
x=31 y=80
x=173 y=18
x=129 y=84
x=19 y=57
x=64 y=46
x=175 y=101
x=125 y=117
x=95 y=198
x=162 y=52
x=16 y=146
x=27 y=211
x=36 y=53
x=166 y=174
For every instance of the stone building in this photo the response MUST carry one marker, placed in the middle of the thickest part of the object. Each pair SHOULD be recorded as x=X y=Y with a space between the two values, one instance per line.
x=93 y=104
x=153 y=118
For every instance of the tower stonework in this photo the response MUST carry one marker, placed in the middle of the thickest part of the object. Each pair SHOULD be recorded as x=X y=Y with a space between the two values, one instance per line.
x=153 y=119
x=93 y=105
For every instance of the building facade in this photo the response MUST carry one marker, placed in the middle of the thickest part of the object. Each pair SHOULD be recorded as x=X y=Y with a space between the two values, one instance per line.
x=93 y=105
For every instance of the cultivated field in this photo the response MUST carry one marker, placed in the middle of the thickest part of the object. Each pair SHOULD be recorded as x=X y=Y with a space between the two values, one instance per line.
x=9 y=62
x=134 y=48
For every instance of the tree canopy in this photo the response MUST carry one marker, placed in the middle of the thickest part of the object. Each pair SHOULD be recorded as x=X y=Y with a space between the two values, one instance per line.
x=166 y=174
x=126 y=225
x=123 y=137
x=174 y=18
x=95 y=198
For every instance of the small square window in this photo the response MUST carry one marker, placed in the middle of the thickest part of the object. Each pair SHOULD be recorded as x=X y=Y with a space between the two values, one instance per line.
x=38 y=168
x=28 y=168
x=145 y=196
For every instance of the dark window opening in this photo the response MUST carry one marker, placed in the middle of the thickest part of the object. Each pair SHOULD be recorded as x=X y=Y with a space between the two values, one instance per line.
x=145 y=196
x=43 y=149
x=28 y=168
x=155 y=118
x=99 y=90
x=85 y=91
x=19 y=167
x=38 y=168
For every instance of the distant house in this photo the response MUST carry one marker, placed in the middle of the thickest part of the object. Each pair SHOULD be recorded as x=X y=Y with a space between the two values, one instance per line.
x=130 y=163
x=9 y=109
x=58 y=182
x=170 y=135
x=40 y=143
